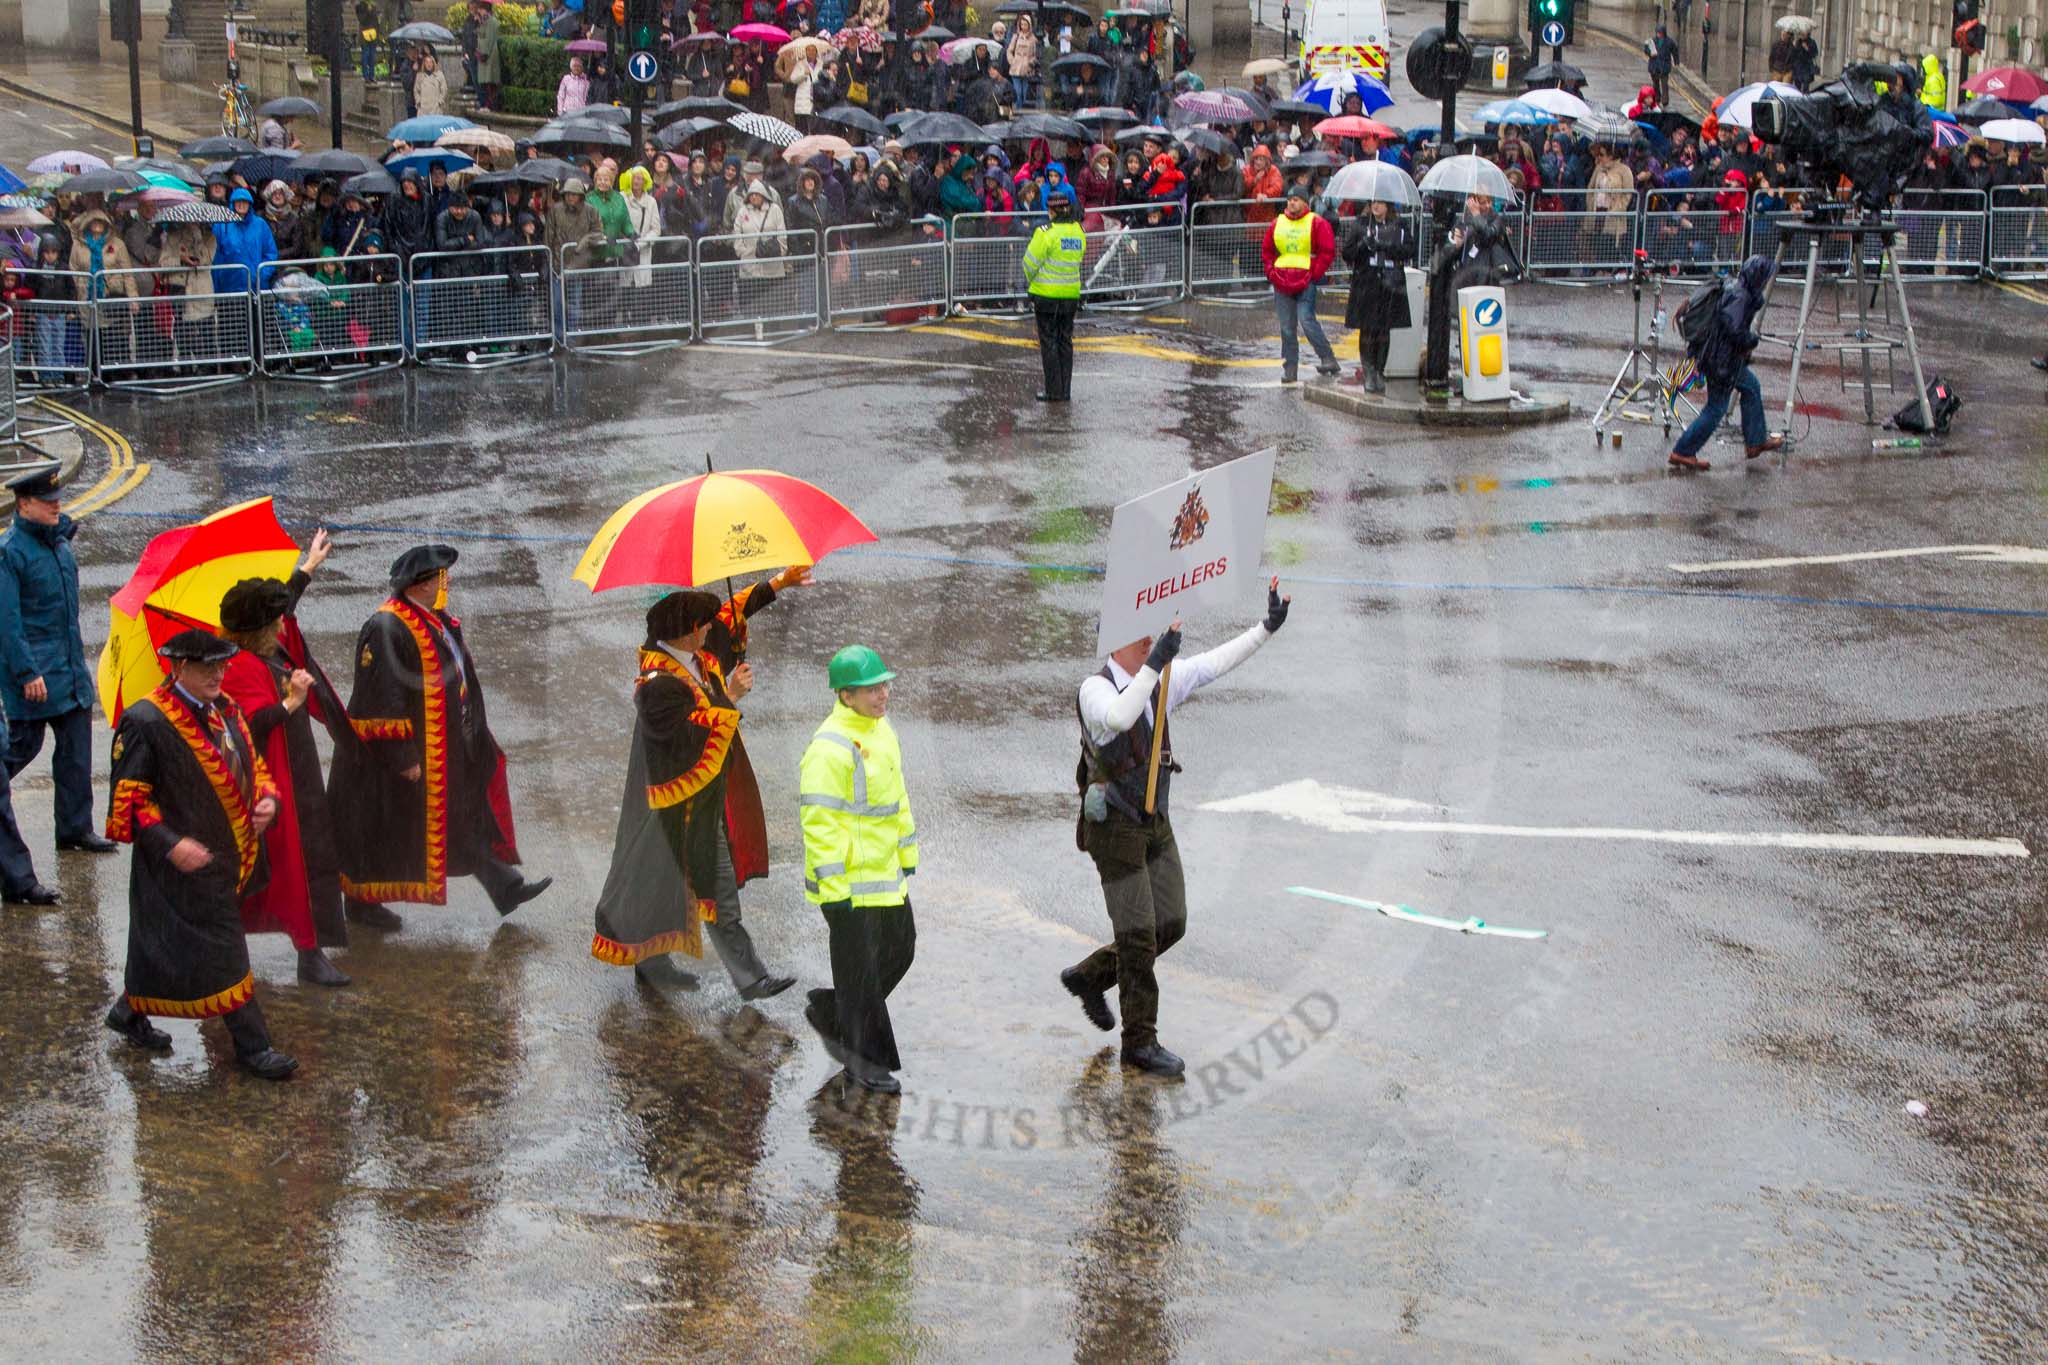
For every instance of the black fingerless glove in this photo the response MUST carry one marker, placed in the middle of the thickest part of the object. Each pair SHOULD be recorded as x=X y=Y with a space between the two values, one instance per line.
x=1276 y=611
x=1163 y=651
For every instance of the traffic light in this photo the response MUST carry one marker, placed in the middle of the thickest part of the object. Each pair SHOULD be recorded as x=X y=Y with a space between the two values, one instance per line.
x=643 y=25
x=1545 y=12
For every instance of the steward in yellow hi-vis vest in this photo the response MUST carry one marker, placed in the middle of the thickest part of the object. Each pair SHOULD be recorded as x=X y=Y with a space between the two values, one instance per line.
x=860 y=851
x=1052 y=264
x=1299 y=248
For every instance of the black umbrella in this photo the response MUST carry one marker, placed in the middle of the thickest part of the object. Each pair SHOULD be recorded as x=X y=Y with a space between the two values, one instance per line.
x=902 y=119
x=1556 y=74
x=420 y=31
x=1104 y=115
x=214 y=148
x=333 y=161
x=544 y=170
x=139 y=164
x=1664 y=120
x=934 y=33
x=676 y=134
x=494 y=179
x=716 y=106
x=289 y=106
x=1047 y=125
x=996 y=132
x=853 y=116
x=942 y=127
x=1207 y=140
x=263 y=167
x=104 y=182
x=1286 y=109
x=605 y=113
x=577 y=132
x=371 y=182
x=1131 y=137
x=1075 y=61
x=1312 y=161
x=1983 y=109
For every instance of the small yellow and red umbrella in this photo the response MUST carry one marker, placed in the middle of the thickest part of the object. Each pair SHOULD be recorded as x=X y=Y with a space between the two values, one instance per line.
x=715 y=526
x=178 y=585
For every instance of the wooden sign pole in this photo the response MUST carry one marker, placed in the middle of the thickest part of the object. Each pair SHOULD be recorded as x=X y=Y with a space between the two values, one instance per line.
x=1158 y=738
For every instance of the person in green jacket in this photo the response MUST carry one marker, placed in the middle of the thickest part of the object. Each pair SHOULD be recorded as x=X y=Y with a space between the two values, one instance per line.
x=956 y=187
x=611 y=212
x=1052 y=264
x=860 y=851
x=490 y=71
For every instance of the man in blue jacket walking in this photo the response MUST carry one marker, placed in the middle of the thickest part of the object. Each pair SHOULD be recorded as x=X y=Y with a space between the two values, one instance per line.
x=46 y=683
x=1723 y=358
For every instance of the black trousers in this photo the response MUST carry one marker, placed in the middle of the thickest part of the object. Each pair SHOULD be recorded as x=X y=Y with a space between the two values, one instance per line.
x=872 y=947
x=1142 y=885
x=1056 y=344
x=1372 y=348
x=70 y=767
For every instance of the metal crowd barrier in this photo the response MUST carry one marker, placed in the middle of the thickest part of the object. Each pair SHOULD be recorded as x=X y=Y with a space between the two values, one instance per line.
x=151 y=334
x=1587 y=237
x=481 y=309
x=1686 y=232
x=9 y=422
x=53 y=350
x=622 y=309
x=988 y=264
x=1944 y=237
x=1225 y=252
x=309 y=327
x=2018 y=234
x=1132 y=265
x=886 y=282
x=757 y=289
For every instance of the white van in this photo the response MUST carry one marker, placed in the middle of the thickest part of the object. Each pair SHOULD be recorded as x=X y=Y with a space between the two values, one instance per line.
x=1345 y=33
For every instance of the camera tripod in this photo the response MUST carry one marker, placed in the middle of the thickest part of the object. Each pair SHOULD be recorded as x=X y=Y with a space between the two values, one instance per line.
x=1860 y=341
x=1642 y=391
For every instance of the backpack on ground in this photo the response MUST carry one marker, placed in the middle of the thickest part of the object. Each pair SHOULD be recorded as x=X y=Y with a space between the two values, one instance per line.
x=1942 y=404
x=1695 y=317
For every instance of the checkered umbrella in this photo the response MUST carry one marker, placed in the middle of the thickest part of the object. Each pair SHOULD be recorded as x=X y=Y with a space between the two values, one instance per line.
x=765 y=127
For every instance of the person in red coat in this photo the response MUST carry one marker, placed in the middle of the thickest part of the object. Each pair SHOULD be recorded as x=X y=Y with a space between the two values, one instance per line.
x=282 y=690
x=1299 y=248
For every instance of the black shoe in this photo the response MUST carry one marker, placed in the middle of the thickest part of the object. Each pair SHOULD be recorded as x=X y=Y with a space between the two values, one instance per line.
x=87 y=843
x=373 y=915
x=1044 y=397
x=136 y=1028
x=662 y=971
x=522 y=893
x=828 y=1034
x=1328 y=371
x=316 y=970
x=1288 y=377
x=767 y=986
x=2039 y=362
x=1093 y=1003
x=1155 y=1059
x=270 y=1064
x=871 y=1077
x=35 y=893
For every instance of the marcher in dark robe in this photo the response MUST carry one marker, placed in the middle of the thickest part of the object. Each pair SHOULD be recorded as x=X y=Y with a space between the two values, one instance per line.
x=193 y=796
x=691 y=827
x=424 y=797
x=282 y=690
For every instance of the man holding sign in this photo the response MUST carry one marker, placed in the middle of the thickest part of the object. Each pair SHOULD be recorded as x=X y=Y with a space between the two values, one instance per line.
x=1194 y=543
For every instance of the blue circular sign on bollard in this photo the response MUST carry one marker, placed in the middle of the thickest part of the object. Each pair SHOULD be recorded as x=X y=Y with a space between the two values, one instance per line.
x=642 y=67
x=1553 y=34
x=1487 y=313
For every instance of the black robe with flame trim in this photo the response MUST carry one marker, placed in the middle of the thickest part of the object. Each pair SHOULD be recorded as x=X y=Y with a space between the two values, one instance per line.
x=664 y=860
x=417 y=701
x=187 y=958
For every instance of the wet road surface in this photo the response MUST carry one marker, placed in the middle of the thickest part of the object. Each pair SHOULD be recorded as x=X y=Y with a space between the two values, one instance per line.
x=1673 y=1129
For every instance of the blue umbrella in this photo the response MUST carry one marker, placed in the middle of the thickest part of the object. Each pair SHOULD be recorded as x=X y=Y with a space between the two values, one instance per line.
x=1517 y=112
x=1328 y=91
x=447 y=158
x=424 y=129
x=10 y=182
x=1941 y=116
x=1659 y=143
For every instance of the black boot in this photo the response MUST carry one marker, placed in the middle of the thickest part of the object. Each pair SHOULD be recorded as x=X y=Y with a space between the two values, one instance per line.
x=767 y=986
x=1155 y=1059
x=373 y=915
x=662 y=971
x=136 y=1028
x=1093 y=1002
x=270 y=1064
x=522 y=893
x=316 y=970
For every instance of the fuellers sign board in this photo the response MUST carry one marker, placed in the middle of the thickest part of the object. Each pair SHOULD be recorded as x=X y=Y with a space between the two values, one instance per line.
x=1194 y=543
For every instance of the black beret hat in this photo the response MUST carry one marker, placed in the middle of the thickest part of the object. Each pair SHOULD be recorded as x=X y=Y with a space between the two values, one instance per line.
x=253 y=604
x=201 y=646
x=419 y=563
x=679 y=613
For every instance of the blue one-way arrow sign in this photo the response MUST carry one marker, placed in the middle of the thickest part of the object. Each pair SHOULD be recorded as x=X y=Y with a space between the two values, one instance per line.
x=1553 y=34
x=642 y=67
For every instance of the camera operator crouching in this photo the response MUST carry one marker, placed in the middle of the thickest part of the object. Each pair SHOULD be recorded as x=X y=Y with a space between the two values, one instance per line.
x=1720 y=343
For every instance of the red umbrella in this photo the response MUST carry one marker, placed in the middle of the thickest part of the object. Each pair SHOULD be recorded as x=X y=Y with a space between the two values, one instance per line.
x=758 y=33
x=1354 y=125
x=2014 y=84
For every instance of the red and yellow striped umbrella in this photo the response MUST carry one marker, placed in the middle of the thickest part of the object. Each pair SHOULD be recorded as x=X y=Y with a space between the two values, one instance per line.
x=717 y=526
x=178 y=585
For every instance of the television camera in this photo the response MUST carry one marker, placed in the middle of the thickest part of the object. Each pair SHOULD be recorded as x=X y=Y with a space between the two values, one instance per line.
x=1867 y=126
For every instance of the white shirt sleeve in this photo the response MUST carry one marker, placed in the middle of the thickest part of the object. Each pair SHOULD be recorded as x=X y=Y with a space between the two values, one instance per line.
x=1189 y=675
x=1107 y=712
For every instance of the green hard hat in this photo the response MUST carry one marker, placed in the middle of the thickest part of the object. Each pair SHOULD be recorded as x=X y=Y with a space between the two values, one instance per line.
x=857 y=666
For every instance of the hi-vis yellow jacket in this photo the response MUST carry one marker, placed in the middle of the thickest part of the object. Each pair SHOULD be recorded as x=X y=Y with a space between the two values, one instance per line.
x=860 y=841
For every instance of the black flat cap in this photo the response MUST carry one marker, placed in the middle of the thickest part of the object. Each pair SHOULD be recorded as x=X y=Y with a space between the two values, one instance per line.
x=40 y=482
x=253 y=604
x=198 y=646
x=679 y=613
x=420 y=563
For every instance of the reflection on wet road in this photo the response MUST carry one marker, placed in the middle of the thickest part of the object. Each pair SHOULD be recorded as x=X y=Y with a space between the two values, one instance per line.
x=1674 y=1128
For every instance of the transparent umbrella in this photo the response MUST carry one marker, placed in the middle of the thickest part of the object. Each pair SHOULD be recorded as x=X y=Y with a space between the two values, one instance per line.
x=1457 y=176
x=1367 y=181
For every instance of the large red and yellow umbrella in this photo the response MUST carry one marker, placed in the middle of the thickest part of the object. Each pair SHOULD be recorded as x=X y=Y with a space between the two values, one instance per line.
x=178 y=585
x=716 y=526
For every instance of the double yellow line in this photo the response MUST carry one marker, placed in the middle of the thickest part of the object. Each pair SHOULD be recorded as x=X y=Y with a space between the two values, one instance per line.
x=123 y=474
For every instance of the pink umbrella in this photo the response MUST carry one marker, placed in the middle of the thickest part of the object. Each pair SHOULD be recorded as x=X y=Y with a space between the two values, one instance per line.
x=74 y=162
x=589 y=45
x=864 y=37
x=162 y=196
x=758 y=33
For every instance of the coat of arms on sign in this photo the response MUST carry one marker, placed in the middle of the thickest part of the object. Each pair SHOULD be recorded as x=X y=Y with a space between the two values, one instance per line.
x=1190 y=521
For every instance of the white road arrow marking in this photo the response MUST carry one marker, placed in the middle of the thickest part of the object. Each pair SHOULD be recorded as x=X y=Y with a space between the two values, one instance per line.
x=1983 y=554
x=1344 y=810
